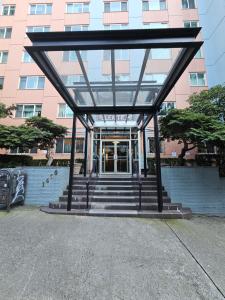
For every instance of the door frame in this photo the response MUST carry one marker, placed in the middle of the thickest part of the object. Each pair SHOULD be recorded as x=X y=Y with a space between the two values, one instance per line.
x=115 y=159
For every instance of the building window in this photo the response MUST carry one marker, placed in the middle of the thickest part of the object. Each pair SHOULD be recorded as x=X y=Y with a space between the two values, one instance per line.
x=38 y=29
x=76 y=28
x=151 y=145
x=64 y=111
x=155 y=78
x=120 y=54
x=28 y=110
x=5 y=32
x=63 y=145
x=155 y=25
x=70 y=80
x=154 y=5
x=166 y=106
x=32 y=82
x=115 y=6
x=8 y=10
x=40 y=9
x=160 y=53
x=197 y=79
x=188 y=4
x=22 y=150
x=76 y=8
x=1 y=83
x=199 y=54
x=115 y=26
x=3 y=57
x=190 y=24
x=70 y=56
x=27 y=58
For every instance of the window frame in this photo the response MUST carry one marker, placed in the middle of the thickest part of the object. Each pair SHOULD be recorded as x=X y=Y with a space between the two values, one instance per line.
x=190 y=21
x=35 y=112
x=29 y=77
x=10 y=6
x=108 y=3
x=2 y=52
x=148 y=25
x=5 y=32
x=81 y=27
x=30 y=60
x=2 y=78
x=197 y=85
x=188 y=4
x=147 y=3
x=63 y=145
x=65 y=114
x=39 y=26
x=36 y=6
x=74 y=4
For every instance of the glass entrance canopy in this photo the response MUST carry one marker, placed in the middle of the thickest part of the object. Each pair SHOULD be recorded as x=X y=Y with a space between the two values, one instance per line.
x=114 y=76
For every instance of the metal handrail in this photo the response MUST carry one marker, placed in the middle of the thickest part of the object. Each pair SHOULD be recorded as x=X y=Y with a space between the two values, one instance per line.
x=134 y=169
x=87 y=186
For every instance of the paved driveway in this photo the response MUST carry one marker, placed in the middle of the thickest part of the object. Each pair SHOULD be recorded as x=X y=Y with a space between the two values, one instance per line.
x=47 y=257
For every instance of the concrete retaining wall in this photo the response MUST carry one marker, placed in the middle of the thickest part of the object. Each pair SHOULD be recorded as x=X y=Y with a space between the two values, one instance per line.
x=45 y=184
x=198 y=188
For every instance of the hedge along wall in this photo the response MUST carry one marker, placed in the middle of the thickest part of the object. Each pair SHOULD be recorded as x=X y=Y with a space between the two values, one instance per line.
x=199 y=188
x=45 y=184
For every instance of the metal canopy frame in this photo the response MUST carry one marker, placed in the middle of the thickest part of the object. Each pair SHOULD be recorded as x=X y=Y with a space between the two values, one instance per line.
x=147 y=39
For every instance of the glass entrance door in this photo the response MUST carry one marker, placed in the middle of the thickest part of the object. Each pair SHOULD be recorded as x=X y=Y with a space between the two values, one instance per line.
x=122 y=157
x=108 y=156
x=115 y=157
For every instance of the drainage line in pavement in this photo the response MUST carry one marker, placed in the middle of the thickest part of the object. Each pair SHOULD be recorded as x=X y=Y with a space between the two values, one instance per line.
x=195 y=259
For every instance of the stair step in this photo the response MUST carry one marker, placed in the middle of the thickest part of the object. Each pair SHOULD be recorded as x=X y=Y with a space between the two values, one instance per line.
x=167 y=214
x=115 y=206
x=129 y=199
x=114 y=193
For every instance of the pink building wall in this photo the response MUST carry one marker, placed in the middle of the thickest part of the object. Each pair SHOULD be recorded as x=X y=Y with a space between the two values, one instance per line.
x=49 y=98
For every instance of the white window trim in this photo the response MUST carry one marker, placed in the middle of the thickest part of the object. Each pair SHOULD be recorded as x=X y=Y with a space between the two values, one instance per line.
x=8 y=5
x=66 y=107
x=153 y=9
x=197 y=21
x=26 y=104
x=81 y=26
x=36 y=88
x=36 y=5
x=197 y=79
x=76 y=3
x=189 y=5
x=5 y=29
x=1 y=56
x=23 y=56
x=38 y=26
x=114 y=11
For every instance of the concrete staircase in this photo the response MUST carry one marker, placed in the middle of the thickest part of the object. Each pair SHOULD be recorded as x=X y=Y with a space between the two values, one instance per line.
x=117 y=196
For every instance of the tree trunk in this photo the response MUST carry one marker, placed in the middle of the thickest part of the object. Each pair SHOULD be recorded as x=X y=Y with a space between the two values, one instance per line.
x=183 y=152
x=49 y=157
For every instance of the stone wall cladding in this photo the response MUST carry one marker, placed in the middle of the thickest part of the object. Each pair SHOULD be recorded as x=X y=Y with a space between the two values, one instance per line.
x=199 y=188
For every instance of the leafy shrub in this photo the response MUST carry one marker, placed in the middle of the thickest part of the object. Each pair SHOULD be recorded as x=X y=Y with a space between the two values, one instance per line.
x=12 y=161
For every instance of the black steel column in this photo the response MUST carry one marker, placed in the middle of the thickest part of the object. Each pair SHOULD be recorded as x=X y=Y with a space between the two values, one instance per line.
x=85 y=150
x=144 y=152
x=158 y=164
x=72 y=161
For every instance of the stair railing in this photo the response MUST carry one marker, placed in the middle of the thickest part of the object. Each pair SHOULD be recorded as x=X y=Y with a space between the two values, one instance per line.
x=135 y=170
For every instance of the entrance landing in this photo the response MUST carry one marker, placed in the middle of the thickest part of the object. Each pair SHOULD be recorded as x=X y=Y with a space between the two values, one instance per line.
x=117 y=196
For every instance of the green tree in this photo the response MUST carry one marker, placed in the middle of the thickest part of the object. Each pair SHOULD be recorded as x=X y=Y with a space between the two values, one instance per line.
x=21 y=136
x=50 y=131
x=6 y=111
x=209 y=102
x=180 y=125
